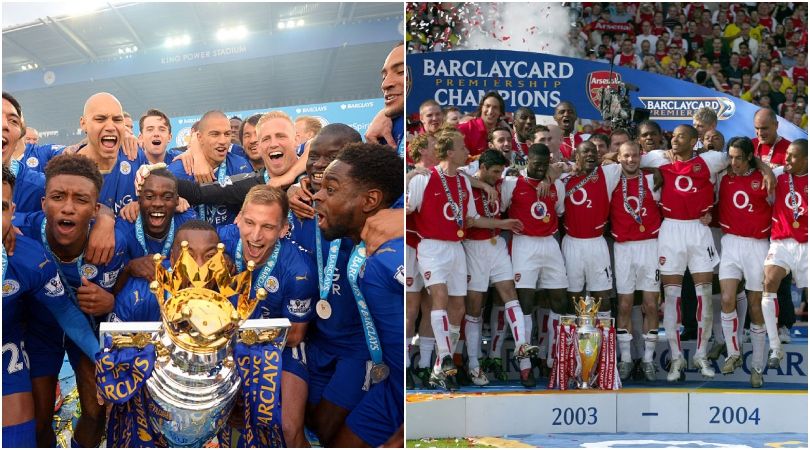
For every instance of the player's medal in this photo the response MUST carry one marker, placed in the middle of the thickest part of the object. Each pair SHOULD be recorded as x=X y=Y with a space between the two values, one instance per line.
x=546 y=219
x=488 y=214
x=324 y=309
x=636 y=215
x=493 y=240
x=794 y=202
x=458 y=210
x=379 y=372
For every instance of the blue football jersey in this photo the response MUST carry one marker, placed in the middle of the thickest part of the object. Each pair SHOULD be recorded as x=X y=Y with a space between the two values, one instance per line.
x=217 y=215
x=135 y=302
x=31 y=281
x=382 y=282
x=118 y=189
x=292 y=286
x=29 y=187
x=134 y=248
x=36 y=156
x=342 y=332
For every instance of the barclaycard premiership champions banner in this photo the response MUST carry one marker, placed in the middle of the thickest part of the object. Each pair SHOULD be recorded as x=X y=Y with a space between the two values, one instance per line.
x=540 y=82
x=354 y=113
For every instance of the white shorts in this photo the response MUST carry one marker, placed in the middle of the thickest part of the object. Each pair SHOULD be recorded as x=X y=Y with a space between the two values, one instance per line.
x=538 y=258
x=487 y=263
x=443 y=262
x=742 y=258
x=686 y=243
x=637 y=266
x=413 y=279
x=791 y=256
x=717 y=238
x=587 y=262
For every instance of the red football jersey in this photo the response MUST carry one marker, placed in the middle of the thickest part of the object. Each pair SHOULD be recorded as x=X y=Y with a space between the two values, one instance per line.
x=569 y=145
x=587 y=209
x=480 y=234
x=743 y=207
x=775 y=154
x=411 y=236
x=623 y=226
x=783 y=213
x=433 y=217
x=538 y=215
x=688 y=190
x=475 y=136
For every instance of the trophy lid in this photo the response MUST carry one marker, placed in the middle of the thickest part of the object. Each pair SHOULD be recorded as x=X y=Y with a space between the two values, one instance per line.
x=194 y=300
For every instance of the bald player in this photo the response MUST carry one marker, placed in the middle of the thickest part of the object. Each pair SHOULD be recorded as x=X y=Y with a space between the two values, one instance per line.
x=768 y=145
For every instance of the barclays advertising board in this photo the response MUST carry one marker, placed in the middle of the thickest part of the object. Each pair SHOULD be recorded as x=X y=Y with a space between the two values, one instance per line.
x=540 y=82
x=354 y=113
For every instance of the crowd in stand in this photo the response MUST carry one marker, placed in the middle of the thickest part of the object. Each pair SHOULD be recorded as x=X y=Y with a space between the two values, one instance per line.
x=757 y=52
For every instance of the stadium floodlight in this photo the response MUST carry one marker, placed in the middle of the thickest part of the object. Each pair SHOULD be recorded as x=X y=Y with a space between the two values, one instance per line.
x=290 y=23
x=300 y=23
x=281 y=25
x=240 y=32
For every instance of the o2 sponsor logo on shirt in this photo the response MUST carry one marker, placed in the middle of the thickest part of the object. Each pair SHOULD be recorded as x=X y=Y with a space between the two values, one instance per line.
x=299 y=307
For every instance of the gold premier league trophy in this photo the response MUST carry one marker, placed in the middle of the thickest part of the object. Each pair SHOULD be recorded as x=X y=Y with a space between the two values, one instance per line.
x=586 y=350
x=175 y=383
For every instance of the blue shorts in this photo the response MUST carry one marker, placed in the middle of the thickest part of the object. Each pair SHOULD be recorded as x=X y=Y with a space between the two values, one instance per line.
x=46 y=351
x=342 y=381
x=19 y=378
x=23 y=435
x=380 y=412
x=294 y=360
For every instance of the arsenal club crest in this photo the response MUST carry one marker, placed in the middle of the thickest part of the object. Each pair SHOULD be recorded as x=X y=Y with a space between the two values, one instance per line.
x=427 y=275
x=517 y=277
x=598 y=80
x=662 y=260
x=755 y=185
x=696 y=168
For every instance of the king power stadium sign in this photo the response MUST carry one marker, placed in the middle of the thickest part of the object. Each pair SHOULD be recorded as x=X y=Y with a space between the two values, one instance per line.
x=540 y=82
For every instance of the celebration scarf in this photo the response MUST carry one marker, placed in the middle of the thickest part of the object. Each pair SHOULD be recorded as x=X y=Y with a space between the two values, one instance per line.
x=120 y=376
x=259 y=367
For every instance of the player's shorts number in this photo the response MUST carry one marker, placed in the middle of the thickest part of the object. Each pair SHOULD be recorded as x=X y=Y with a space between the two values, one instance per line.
x=14 y=363
x=729 y=415
x=574 y=416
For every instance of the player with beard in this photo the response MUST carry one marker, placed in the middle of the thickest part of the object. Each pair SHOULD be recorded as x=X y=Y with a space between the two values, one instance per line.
x=488 y=263
x=250 y=142
x=286 y=272
x=363 y=179
x=388 y=126
x=650 y=136
x=103 y=122
x=635 y=220
x=71 y=193
x=566 y=117
x=788 y=251
x=442 y=205
x=214 y=140
x=154 y=227
x=336 y=348
x=536 y=257
x=29 y=275
x=687 y=194
x=499 y=139
x=156 y=133
x=524 y=123
x=744 y=213
x=135 y=302
x=588 y=191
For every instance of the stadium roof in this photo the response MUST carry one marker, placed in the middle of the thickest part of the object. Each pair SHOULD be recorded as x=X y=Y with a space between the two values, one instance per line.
x=55 y=57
